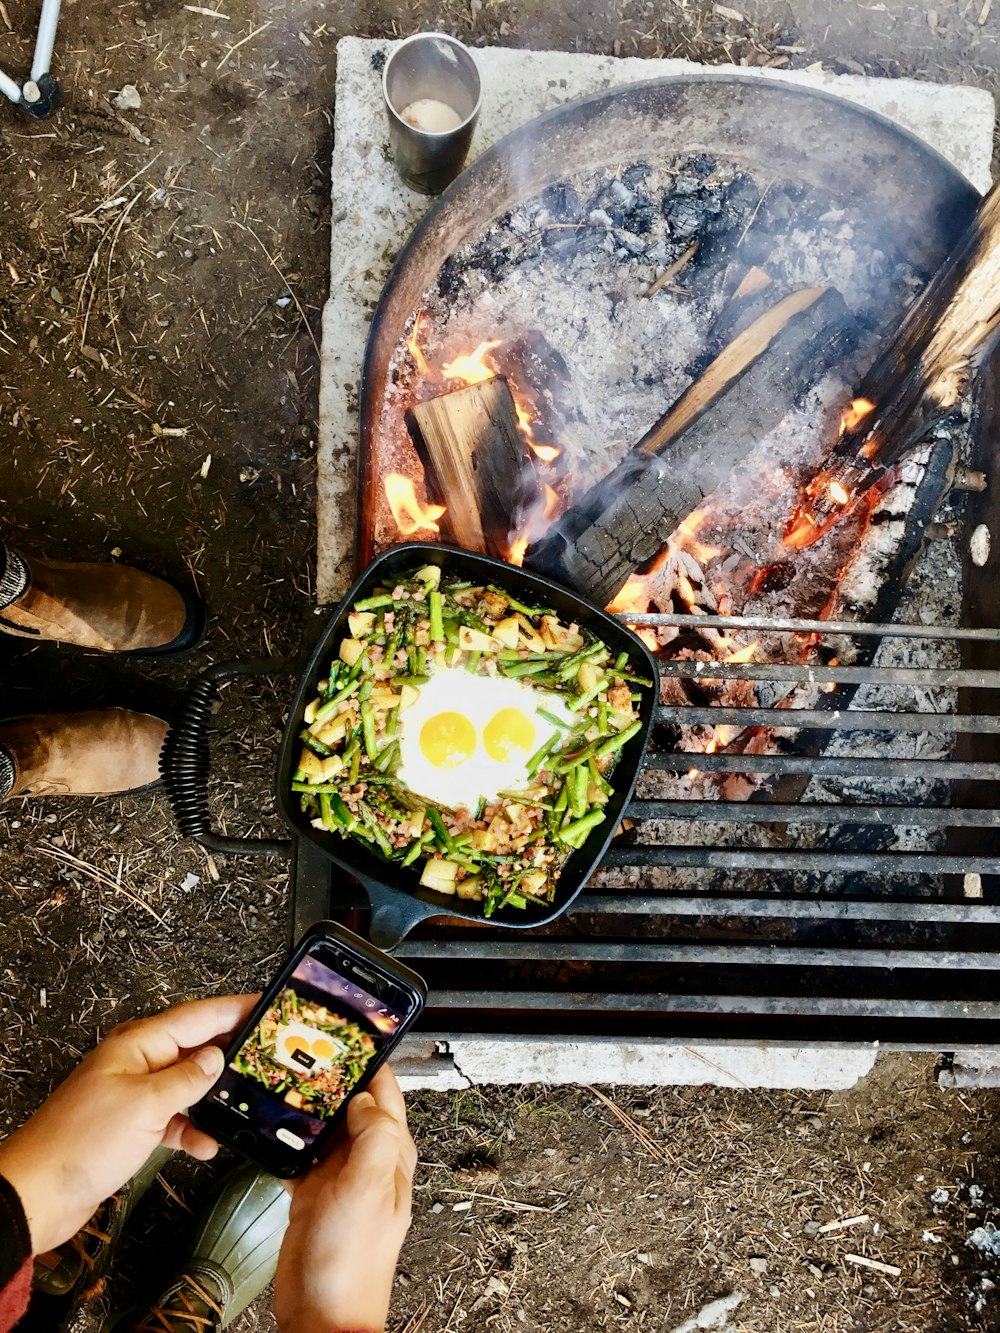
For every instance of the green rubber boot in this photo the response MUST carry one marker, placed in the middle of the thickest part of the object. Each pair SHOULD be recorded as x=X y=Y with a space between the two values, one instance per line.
x=233 y=1257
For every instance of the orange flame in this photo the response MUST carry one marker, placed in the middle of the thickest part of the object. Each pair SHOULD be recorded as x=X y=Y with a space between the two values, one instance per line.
x=855 y=414
x=634 y=596
x=471 y=368
x=742 y=654
x=517 y=550
x=553 y=504
x=685 y=537
x=410 y=515
x=547 y=453
x=413 y=346
x=839 y=493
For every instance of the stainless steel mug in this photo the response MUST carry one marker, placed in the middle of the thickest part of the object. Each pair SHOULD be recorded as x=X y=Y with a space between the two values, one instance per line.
x=430 y=75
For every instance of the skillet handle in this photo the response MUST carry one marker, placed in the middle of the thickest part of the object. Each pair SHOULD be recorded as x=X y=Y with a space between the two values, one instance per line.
x=185 y=761
x=394 y=914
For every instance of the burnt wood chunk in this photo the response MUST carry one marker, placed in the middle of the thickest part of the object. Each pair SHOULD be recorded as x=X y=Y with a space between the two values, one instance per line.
x=474 y=462
x=924 y=368
x=705 y=438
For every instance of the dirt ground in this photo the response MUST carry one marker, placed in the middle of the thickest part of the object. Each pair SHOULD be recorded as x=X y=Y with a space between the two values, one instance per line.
x=159 y=405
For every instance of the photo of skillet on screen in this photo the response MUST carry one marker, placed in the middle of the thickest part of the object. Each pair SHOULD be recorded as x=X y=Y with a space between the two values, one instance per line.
x=398 y=899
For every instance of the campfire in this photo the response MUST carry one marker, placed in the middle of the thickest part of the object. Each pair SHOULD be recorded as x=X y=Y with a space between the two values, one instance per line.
x=782 y=477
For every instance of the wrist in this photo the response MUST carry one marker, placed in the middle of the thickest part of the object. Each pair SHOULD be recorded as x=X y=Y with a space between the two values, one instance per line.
x=38 y=1195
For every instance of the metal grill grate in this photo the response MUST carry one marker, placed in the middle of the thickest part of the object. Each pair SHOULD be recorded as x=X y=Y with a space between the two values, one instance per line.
x=774 y=939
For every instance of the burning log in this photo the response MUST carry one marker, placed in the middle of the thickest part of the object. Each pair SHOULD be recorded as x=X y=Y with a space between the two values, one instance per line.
x=473 y=456
x=625 y=519
x=919 y=375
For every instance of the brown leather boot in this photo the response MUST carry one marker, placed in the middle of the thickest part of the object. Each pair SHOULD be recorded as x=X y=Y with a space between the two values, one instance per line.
x=99 y=753
x=107 y=608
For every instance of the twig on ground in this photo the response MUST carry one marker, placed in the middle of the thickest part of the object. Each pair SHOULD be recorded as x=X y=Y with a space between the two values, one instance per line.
x=98 y=876
x=647 y=1140
x=890 y=1270
x=843 y=1224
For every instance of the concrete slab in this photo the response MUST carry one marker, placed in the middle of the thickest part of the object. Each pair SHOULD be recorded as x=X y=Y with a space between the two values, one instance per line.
x=456 y=1062
x=373 y=213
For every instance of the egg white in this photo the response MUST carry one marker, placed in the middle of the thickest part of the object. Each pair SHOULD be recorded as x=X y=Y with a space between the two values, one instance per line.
x=478 y=698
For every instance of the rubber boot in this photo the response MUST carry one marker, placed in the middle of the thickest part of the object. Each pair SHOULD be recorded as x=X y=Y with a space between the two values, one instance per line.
x=98 y=753
x=106 y=608
x=233 y=1258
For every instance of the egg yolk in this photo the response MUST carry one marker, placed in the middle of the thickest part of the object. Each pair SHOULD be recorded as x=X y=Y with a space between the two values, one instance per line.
x=447 y=740
x=322 y=1048
x=293 y=1044
x=507 y=731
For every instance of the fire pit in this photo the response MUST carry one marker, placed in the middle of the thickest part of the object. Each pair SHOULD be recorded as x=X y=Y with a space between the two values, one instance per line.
x=598 y=284
x=807 y=853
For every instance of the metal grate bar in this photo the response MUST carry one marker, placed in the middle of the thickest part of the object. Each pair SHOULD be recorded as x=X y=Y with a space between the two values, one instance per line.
x=743 y=812
x=806 y=673
x=791 y=625
x=838 y=720
x=821 y=1006
x=959 y=912
x=725 y=955
x=680 y=761
x=779 y=858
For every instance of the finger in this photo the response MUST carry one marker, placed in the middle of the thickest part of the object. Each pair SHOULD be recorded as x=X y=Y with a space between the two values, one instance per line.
x=375 y=1142
x=154 y=1043
x=180 y=1134
x=388 y=1094
x=185 y=1082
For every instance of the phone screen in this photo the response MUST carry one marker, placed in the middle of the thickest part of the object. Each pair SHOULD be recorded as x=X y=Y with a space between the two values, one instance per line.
x=297 y=1067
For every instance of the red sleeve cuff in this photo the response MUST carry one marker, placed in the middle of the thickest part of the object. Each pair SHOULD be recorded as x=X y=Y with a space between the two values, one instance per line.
x=14 y=1297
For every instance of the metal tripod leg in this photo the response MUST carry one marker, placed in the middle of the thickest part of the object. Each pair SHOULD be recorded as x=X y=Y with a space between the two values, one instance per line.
x=40 y=94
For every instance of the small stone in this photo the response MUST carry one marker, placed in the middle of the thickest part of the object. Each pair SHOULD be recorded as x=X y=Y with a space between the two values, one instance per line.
x=774 y=1291
x=811 y=1229
x=128 y=99
x=940 y=1197
x=437 y=1207
x=758 y=1265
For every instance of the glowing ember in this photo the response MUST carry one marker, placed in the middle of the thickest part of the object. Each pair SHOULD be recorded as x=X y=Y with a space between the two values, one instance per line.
x=742 y=654
x=413 y=347
x=410 y=515
x=839 y=493
x=471 y=368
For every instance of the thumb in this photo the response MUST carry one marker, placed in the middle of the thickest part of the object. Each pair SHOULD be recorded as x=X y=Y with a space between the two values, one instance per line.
x=186 y=1082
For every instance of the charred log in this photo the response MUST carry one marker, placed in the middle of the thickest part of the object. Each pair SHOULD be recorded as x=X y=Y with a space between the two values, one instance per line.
x=625 y=519
x=473 y=457
x=920 y=373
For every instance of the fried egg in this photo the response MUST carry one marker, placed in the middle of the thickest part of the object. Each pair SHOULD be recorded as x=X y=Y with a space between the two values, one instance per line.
x=465 y=737
x=303 y=1048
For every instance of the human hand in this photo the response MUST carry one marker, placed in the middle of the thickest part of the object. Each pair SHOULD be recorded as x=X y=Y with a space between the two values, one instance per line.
x=349 y=1217
x=125 y=1099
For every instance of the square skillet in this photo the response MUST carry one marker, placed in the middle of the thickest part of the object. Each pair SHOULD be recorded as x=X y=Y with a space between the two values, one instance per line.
x=397 y=899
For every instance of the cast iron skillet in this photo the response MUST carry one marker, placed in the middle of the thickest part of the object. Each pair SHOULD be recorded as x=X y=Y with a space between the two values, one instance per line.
x=398 y=902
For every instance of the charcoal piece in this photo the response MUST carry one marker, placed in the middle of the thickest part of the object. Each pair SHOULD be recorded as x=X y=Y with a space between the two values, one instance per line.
x=567 y=240
x=686 y=185
x=597 y=217
x=633 y=245
x=563 y=202
x=452 y=277
x=378 y=61
x=640 y=217
x=634 y=175
x=684 y=214
x=621 y=194
x=701 y=165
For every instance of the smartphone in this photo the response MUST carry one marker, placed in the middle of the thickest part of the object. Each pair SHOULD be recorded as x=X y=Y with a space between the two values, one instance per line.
x=329 y=1019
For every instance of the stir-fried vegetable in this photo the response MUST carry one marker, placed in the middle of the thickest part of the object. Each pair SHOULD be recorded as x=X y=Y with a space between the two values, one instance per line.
x=506 y=852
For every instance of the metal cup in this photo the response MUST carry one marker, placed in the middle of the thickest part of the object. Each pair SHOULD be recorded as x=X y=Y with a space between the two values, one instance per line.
x=436 y=66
